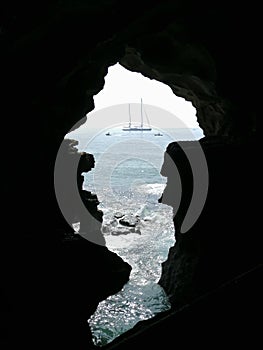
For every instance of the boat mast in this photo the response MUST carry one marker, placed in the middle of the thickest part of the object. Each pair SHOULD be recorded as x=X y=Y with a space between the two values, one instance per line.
x=141 y=115
x=129 y=115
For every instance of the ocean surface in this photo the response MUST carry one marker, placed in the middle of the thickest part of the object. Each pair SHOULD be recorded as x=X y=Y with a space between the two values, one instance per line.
x=127 y=181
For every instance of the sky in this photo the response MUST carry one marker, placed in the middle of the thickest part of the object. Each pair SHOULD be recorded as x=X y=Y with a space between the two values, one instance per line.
x=123 y=87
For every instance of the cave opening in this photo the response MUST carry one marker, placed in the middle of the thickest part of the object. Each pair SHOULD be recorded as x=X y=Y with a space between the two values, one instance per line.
x=127 y=181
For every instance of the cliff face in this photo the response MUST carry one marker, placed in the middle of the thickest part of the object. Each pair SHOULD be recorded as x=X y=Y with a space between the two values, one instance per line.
x=54 y=57
x=54 y=281
x=217 y=248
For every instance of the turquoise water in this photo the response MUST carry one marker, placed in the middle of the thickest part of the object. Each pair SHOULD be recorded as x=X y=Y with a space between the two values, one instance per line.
x=127 y=181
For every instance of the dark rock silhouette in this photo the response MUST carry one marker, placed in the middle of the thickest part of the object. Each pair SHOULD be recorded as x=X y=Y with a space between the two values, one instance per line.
x=71 y=273
x=122 y=224
x=203 y=259
x=118 y=215
x=129 y=220
x=54 y=57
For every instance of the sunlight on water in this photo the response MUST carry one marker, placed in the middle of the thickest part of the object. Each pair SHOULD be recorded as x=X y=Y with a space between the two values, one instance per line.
x=144 y=249
x=127 y=181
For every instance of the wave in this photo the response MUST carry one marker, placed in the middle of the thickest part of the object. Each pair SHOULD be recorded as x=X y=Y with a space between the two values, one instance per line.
x=154 y=189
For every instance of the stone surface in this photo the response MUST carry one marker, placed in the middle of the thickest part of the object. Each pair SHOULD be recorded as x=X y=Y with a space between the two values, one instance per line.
x=118 y=215
x=217 y=248
x=54 y=57
x=129 y=220
x=122 y=224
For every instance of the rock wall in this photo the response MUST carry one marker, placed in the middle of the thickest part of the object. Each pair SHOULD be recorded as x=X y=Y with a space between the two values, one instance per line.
x=54 y=57
x=53 y=284
x=217 y=248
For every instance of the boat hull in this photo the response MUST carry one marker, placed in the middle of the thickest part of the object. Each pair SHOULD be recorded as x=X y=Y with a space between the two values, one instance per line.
x=137 y=129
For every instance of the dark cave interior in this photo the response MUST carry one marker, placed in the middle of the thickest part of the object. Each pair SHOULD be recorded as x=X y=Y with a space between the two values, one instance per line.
x=54 y=57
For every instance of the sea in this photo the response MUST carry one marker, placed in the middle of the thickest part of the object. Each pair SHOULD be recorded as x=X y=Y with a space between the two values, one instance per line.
x=127 y=181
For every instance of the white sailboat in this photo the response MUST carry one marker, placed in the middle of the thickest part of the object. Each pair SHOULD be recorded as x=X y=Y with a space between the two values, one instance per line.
x=140 y=127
